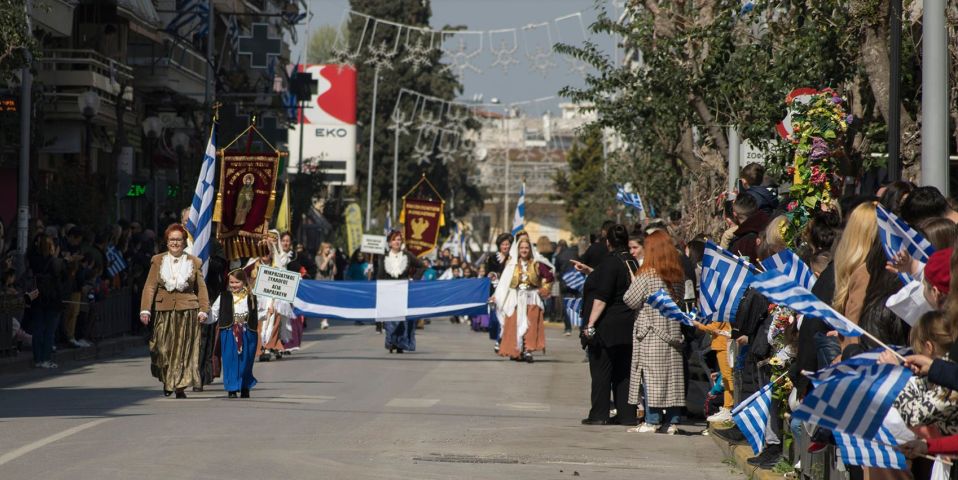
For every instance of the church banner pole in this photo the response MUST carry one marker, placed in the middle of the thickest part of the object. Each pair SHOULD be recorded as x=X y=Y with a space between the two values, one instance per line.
x=372 y=143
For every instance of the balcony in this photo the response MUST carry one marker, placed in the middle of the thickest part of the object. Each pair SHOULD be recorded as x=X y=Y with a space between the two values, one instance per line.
x=172 y=66
x=65 y=74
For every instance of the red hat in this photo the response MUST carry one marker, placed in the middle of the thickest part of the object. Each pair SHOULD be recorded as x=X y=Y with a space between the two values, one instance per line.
x=938 y=270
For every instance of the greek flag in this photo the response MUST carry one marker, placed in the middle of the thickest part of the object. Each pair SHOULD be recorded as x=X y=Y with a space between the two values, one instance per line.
x=853 y=400
x=573 y=279
x=519 y=219
x=200 y=222
x=793 y=267
x=115 y=262
x=779 y=288
x=662 y=302
x=573 y=310
x=880 y=452
x=751 y=417
x=388 y=226
x=631 y=199
x=190 y=12
x=725 y=278
x=896 y=235
x=391 y=300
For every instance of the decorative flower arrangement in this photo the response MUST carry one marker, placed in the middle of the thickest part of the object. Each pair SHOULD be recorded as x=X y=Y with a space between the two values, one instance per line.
x=783 y=318
x=818 y=128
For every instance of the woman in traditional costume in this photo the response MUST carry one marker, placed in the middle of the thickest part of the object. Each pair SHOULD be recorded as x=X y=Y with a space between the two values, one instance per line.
x=519 y=297
x=236 y=316
x=399 y=264
x=175 y=297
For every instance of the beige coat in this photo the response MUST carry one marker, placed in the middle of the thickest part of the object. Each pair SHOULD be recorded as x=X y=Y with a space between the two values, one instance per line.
x=193 y=298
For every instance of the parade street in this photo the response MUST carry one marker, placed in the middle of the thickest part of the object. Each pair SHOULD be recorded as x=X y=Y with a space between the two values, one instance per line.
x=340 y=408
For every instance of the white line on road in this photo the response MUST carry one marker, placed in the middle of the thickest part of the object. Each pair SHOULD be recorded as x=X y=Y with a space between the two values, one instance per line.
x=10 y=456
x=525 y=407
x=412 y=402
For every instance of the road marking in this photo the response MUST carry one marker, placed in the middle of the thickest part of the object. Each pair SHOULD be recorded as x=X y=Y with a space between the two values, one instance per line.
x=310 y=399
x=525 y=407
x=412 y=402
x=10 y=456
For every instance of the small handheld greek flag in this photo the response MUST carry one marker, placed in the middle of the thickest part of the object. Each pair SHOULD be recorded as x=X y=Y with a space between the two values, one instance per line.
x=631 y=199
x=573 y=279
x=662 y=302
x=573 y=309
x=793 y=267
x=519 y=218
x=751 y=417
x=896 y=235
x=115 y=261
x=779 y=288
x=880 y=452
x=725 y=278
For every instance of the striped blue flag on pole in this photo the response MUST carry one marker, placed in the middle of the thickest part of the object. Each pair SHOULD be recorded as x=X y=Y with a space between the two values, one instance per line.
x=200 y=223
x=779 y=288
x=388 y=225
x=662 y=302
x=751 y=417
x=880 y=452
x=793 y=267
x=631 y=199
x=519 y=218
x=573 y=279
x=725 y=278
x=573 y=310
x=115 y=261
x=896 y=235
x=853 y=400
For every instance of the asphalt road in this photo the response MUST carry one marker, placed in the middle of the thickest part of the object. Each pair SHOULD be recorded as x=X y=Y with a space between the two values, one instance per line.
x=340 y=408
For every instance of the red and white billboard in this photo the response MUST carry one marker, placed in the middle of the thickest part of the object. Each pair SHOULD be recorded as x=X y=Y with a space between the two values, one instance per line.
x=329 y=123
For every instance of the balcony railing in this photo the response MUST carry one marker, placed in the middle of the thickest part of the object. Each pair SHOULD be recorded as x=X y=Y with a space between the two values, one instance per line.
x=84 y=68
x=173 y=66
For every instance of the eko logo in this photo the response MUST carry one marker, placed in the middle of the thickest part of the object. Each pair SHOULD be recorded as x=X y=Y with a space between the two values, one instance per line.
x=331 y=132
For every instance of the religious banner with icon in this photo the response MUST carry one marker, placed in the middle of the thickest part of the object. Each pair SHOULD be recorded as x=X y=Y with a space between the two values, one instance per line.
x=422 y=215
x=245 y=201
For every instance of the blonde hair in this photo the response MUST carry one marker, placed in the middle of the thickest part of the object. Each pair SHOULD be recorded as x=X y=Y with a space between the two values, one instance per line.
x=933 y=327
x=857 y=240
x=773 y=238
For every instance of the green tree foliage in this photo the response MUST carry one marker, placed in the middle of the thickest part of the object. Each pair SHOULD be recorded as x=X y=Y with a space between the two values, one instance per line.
x=589 y=196
x=321 y=44
x=450 y=178
x=16 y=42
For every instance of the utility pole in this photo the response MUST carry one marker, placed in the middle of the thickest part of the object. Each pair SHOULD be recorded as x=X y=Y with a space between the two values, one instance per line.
x=372 y=143
x=934 y=97
x=23 y=188
x=395 y=174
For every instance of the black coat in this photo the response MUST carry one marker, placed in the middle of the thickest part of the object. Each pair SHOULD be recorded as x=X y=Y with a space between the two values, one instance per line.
x=608 y=283
x=807 y=358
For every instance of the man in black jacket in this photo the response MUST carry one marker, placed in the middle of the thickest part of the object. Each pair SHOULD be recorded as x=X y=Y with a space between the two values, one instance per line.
x=752 y=177
x=598 y=250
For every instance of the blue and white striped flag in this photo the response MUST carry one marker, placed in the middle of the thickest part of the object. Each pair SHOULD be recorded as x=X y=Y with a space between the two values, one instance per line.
x=853 y=400
x=200 y=222
x=115 y=261
x=751 y=417
x=388 y=225
x=896 y=235
x=779 y=288
x=880 y=452
x=573 y=310
x=662 y=302
x=725 y=278
x=631 y=199
x=519 y=218
x=573 y=279
x=793 y=267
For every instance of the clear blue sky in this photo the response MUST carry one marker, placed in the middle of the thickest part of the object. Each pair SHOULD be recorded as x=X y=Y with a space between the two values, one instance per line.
x=519 y=83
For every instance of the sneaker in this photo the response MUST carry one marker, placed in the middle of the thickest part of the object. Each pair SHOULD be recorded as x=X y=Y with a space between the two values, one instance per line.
x=324 y=324
x=643 y=428
x=723 y=415
x=567 y=333
x=48 y=365
x=815 y=447
x=75 y=343
x=772 y=453
x=672 y=430
x=613 y=412
x=85 y=343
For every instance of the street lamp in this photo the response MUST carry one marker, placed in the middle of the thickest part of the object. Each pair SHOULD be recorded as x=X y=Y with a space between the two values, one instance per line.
x=88 y=103
x=153 y=128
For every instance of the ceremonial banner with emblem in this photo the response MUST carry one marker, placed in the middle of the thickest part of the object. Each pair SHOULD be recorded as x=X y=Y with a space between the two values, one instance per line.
x=422 y=216
x=245 y=201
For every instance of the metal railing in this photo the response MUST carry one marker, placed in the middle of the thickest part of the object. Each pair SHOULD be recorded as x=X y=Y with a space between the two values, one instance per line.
x=66 y=60
x=112 y=316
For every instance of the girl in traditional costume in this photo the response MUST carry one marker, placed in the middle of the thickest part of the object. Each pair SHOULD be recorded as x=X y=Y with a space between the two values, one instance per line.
x=525 y=282
x=270 y=345
x=236 y=315
x=398 y=264
x=175 y=297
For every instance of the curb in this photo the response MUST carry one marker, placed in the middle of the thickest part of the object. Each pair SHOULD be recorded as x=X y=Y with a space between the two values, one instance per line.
x=103 y=349
x=739 y=454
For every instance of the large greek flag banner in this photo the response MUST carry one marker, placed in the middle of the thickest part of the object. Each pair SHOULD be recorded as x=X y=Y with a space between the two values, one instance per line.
x=391 y=300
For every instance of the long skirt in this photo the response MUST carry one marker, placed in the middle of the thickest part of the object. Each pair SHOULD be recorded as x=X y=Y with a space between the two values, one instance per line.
x=175 y=349
x=272 y=340
x=238 y=366
x=401 y=335
x=207 y=344
x=533 y=341
x=296 y=336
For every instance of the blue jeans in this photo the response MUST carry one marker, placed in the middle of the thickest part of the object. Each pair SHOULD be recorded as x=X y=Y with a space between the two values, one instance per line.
x=653 y=415
x=45 y=322
x=827 y=347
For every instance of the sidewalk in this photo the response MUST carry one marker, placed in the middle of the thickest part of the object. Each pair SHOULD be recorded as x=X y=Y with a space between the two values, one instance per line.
x=23 y=361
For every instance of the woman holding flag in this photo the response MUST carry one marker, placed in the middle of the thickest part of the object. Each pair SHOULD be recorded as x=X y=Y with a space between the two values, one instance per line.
x=398 y=264
x=657 y=341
